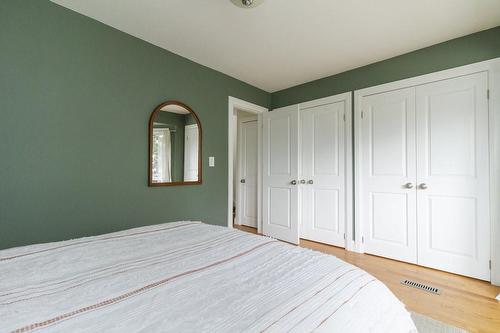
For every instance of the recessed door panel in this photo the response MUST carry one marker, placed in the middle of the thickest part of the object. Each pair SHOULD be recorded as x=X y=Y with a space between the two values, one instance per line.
x=452 y=225
x=280 y=196
x=388 y=120
x=279 y=146
x=326 y=140
x=322 y=171
x=326 y=210
x=451 y=132
x=280 y=201
x=250 y=209
x=387 y=174
x=453 y=175
x=389 y=220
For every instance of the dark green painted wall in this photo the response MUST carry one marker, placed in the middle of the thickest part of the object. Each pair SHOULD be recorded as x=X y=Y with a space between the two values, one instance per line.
x=190 y=119
x=457 y=52
x=75 y=100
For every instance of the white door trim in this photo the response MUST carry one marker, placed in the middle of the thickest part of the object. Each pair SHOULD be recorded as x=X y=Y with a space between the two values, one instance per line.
x=235 y=104
x=347 y=98
x=493 y=69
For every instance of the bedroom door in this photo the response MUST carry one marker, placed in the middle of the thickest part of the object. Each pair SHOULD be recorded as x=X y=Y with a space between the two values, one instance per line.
x=453 y=175
x=246 y=208
x=280 y=194
x=322 y=173
x=387 y=174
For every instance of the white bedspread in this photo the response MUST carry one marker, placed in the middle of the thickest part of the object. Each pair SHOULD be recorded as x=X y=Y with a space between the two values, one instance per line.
x=189 y=277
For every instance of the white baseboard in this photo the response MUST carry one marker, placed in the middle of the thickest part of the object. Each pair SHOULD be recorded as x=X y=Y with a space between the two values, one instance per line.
x=498 y=297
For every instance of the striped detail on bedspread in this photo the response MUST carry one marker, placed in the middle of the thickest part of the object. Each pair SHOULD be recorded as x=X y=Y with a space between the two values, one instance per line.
x=57 y=285
x=92 y=240
x=189 y=277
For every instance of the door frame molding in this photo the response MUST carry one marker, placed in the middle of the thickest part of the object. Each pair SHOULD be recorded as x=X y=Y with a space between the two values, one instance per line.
x=347 y=98
x=492 y=67
x=235 y=104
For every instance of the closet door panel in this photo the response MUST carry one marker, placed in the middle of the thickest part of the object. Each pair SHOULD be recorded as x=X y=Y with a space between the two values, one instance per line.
x=453 y=175
x=280 y=197
x=322 y=151
x=326 y=206
x=388 y=174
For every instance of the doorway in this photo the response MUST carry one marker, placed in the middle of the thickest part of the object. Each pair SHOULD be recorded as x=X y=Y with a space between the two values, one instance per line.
x=244 y=163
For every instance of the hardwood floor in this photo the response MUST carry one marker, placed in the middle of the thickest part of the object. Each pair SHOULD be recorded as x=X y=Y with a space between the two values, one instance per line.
x=464 y=302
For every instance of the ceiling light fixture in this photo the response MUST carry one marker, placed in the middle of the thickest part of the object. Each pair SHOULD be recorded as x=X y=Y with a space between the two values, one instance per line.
x=246 y=3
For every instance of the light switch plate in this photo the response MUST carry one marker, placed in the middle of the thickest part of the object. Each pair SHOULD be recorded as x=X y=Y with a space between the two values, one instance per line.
x=211 y=161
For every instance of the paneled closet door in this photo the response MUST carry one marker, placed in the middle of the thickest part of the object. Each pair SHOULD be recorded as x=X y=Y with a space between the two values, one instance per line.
x=322 y=174
x=280 y=196
x=453 y=175
x=387 y=174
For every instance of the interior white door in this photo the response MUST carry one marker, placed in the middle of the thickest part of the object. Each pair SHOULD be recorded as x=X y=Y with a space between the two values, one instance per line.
x=280 y=170
x=191 y=139
x=322 y=173
x=246 y=208
x=387 y=174
x=453 y=175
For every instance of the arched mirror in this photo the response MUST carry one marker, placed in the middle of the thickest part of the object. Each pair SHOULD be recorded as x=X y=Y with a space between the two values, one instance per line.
x=174 y=145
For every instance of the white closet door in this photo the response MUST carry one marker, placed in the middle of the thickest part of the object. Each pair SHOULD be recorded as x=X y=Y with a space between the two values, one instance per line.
x=453 y=176
x=247 y=203
x=280 y=166
x=387 y=174
x=322 y=174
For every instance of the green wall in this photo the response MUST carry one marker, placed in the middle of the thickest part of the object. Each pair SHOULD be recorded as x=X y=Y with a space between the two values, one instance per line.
x=457 y=52
x=190 y=119
x=75 y=100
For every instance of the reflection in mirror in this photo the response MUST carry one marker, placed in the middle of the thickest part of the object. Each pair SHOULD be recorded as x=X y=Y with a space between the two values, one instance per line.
x=175 y=152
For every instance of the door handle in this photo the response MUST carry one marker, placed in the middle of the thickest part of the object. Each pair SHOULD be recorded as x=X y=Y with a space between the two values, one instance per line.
x=302 y=181
x=293 y=182
x=409 y=185
x=310 y=182
x=243 y=181
x=423 y=186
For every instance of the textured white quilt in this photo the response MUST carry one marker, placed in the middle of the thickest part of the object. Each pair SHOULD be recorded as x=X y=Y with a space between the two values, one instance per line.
x=189 y=277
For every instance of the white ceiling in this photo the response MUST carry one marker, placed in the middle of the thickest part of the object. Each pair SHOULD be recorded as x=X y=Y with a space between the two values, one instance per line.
x=282 y=43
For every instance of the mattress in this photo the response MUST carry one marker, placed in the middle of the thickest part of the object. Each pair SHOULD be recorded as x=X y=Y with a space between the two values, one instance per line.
x=189 y=277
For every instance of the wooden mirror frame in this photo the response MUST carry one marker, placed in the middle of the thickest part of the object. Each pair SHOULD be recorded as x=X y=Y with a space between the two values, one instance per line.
x=150 y=146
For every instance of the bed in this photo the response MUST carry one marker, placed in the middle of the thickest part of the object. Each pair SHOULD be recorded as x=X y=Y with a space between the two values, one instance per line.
x=189 y=277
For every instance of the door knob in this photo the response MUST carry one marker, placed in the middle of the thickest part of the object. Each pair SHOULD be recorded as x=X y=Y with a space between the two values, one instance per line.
x=423 y=186
x=409 y=185
x=310 y=182
x=293 y=182
x=243 y=181
x=302 y=181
